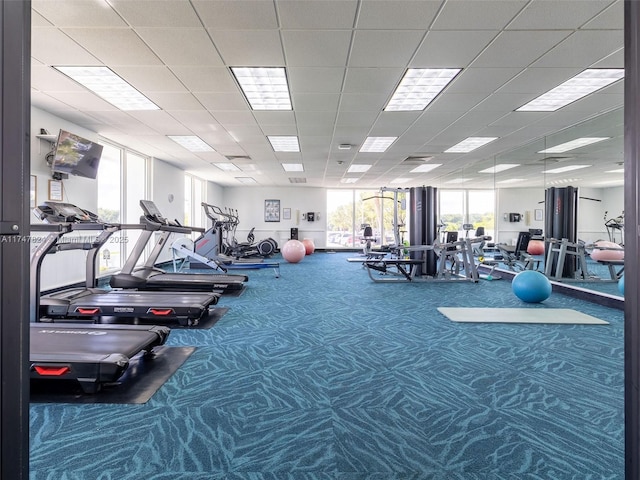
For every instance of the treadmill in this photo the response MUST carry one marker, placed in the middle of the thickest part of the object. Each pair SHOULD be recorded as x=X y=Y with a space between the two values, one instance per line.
x=89 y=354
x=150 y=278
x=94 y=304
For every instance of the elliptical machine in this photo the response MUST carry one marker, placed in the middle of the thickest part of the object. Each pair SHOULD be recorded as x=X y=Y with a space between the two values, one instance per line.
x=220 y=240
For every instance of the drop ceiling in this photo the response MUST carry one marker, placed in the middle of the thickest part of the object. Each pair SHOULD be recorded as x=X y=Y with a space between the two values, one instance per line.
x=343 y=60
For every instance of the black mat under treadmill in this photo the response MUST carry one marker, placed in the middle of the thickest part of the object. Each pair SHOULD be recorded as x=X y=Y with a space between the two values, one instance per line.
x=91 y=354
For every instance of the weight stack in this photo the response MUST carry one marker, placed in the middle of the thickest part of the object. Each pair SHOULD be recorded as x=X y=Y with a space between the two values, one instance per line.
x=423 y=225
x=561 y=206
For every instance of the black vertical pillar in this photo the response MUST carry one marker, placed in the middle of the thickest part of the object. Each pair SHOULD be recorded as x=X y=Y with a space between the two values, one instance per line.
x=631 y=199
x=431 y=227
x=15 y=21
x=561 y=205
x=423 y=225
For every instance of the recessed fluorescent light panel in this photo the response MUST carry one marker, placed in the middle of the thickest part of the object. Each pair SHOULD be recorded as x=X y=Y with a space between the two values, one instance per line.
x=377 y=144
x=512 y=180
x=568 y=168
x=573 y=144
x=227 y=167
x=246 y=180
x=265 y=88
x=284 y=143
x=619 y=170
x=469 y=144
x=499 y=168
x=293 y=167
x=107 y=85
x=564 y=181
x=399 y=180
x=589 y=81
x=419 y=87
x=358 y=168
x=192 y=143
x=425 y=168
x=348 y=180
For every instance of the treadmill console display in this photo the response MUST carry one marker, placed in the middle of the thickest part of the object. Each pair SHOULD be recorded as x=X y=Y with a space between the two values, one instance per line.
x=152 y=212
x=59 y=212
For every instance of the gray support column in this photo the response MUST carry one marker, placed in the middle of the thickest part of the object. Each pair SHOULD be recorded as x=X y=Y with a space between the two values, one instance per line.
x=631 y=198
x=15 y=73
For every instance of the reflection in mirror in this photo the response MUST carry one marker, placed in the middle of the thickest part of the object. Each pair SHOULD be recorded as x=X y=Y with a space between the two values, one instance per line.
x=594 y=167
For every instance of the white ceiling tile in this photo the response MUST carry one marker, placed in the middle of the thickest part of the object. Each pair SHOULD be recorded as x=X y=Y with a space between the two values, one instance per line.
x=315 y=80
x=115 y=46
x=311 y=129
x=250 y=48
x=206 y=79
x=151 y=78
x=481 y=80
x=84 y=100
x=571 y=54
x=503 y=102
x=519 y=48
x=456 y=102
x=319 y=14
x=235 y=15
x=372 y=80
x=198 y=121
x=461 y=48
x=222 y=101
x=38 y=20
x=537 y=80
x=310 y=118
x=160 y=121
x=316 y=48
x=157 y=13
x=52 y=47
x=78 y=13
x=390 y=14
x=234 y=117
x=356 y=119
x=181 y=46
x=475 y=15
x=315 y=101
x=384 y=48
x=275 y=118
x=362 y=102
x=559 y=14
x=51 y=80
x=611 y=18
x=175 y=100
x=393 y=123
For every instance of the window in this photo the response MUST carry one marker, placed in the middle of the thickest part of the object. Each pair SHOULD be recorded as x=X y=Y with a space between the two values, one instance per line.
x=194 y=195
x=474 y=207
x=349 y=211
x=122 y=182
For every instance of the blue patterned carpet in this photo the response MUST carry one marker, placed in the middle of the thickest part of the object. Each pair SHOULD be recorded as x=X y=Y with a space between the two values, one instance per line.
x=323 y=374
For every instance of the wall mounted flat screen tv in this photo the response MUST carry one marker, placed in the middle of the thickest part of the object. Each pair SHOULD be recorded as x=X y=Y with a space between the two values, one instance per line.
x=75 y=155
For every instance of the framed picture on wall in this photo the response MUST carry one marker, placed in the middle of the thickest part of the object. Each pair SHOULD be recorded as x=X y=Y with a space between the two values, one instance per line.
x=55 y=190
x=538 y=214
x=286 y=214
x=272 y=210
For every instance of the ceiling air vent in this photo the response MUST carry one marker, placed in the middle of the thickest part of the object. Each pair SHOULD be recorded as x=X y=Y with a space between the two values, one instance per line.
x=297 y=180
x=416 y=160
x=237 y=157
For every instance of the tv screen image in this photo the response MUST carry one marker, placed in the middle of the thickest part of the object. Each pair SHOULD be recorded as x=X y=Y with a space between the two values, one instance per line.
x=76 y=155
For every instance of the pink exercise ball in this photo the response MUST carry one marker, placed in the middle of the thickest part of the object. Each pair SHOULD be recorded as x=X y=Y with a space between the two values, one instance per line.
x=604 y=251
x=293 y=251
x=535 y=247
x=309 y=246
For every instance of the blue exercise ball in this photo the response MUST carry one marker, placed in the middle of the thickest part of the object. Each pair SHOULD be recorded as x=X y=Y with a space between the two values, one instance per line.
x=531 y=286
x=621 y=285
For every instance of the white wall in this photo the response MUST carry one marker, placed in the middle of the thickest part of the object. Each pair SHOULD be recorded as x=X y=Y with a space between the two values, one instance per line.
x=250 y=205
x=524 y=201
x=67 y=267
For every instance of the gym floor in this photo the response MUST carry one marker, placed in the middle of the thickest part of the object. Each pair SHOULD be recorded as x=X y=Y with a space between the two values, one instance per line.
x=324 y=374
